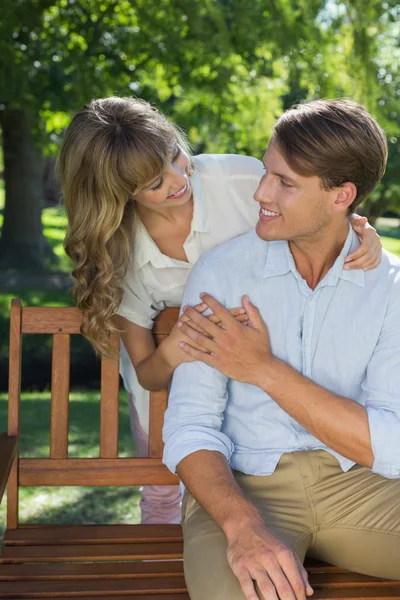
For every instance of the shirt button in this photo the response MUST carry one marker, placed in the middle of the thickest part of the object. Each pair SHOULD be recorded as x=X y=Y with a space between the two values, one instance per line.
x=309 y=302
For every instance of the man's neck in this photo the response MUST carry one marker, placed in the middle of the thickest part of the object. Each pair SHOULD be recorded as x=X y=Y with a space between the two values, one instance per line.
x=315 y=255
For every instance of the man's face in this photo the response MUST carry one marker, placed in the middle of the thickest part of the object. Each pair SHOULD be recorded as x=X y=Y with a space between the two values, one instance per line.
x=292 y=207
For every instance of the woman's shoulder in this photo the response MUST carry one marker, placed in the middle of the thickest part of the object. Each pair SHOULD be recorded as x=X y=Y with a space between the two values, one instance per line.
x=228 y=165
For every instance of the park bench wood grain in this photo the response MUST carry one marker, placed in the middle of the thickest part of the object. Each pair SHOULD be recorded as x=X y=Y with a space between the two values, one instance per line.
x=105 y=561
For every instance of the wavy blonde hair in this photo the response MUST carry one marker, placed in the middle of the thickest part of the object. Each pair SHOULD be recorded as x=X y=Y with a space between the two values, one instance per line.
x=111 y=150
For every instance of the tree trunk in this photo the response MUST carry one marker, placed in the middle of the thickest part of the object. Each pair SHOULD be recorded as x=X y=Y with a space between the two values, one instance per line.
x=22 y=244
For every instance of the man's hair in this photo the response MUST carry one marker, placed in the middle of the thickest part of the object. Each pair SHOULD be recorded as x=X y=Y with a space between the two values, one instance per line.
x=337 y=140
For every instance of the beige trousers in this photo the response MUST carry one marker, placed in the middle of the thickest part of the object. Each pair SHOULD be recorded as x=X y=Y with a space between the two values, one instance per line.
x=349 y=519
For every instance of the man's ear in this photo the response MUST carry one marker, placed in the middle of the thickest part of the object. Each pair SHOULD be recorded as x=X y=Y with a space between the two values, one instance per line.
x=345 y=196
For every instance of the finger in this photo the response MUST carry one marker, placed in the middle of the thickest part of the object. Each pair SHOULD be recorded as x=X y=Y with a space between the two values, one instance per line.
x=193 y=325
x=283 y=586
x=304 y=576
x=366 y=265
x=217 y=308
x=204 y=322
x=242 y=318
x=200 y=307
x=198 y=338
x=364 y=260
x=247 y=585
x=264 y=584
x=294 y=573
x=237 y=311
x=358 y=223
x=253 y=314
x=204 y=357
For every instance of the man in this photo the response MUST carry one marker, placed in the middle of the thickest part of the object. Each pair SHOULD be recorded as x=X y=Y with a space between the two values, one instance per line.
x=286 y=433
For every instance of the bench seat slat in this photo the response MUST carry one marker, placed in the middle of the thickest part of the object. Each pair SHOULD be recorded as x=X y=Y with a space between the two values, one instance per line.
x=92 y=534
x=91 y=552
x=103 y=588
x=59 y=571
x=348 y=580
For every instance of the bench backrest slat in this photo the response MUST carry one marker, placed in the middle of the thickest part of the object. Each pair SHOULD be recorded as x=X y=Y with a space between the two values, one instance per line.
x=109 y=403
x=61 y=323
x=14 y=392
x=60 y=395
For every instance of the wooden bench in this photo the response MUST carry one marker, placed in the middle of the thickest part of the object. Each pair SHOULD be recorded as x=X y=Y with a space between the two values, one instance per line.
x=111 y=561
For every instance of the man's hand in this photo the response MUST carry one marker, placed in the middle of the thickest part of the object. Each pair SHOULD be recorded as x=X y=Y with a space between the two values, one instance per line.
x=238 y=351
x=256 y=556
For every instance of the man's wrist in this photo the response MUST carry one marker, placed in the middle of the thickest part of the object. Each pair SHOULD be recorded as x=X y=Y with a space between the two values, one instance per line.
x=270 y=374
x=241 y=519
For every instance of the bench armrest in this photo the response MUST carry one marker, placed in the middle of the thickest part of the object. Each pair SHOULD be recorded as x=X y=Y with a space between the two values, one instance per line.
x=8 y=451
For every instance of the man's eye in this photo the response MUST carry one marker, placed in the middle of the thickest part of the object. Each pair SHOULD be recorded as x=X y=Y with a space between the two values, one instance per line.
x=287 y=185
x=157 y=187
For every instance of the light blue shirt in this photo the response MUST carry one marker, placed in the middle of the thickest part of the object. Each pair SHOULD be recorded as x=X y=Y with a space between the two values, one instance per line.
x=344 y=335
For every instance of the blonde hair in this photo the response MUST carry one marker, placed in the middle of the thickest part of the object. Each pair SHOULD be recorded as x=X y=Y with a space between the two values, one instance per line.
x=111 y=150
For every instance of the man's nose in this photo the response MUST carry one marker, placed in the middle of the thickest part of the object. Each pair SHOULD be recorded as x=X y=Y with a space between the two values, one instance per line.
x=263 y=192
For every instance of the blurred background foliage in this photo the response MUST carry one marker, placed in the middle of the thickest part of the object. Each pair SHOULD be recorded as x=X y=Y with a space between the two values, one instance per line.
x=222 y=69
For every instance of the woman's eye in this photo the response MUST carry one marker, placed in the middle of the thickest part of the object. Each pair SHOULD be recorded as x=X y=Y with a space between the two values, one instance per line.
x=177 y=154
x=157 y=187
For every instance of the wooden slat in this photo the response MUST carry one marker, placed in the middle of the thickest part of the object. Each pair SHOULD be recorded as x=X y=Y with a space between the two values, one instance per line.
x=14 y=392
x=109 y=403
x=79 y=589
x=128 y=596
x=8 y=452
x=158 y=406
x=360 y=593
x=348 y=580
x=60 y=395
x=48 y=319
x=92 y=534
x=91 y=552
x=78 y=571
x=165 y=321
x=94 y=471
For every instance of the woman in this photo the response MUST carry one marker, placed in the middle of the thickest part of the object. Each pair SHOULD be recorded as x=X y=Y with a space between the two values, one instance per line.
x=140 y=213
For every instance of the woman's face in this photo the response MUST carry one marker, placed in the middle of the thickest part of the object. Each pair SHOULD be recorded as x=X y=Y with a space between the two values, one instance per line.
x=171 y=188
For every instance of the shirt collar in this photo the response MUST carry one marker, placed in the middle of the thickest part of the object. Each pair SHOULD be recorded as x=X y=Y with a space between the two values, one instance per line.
x=279 y=261
x=145 y=248
x=200 y=221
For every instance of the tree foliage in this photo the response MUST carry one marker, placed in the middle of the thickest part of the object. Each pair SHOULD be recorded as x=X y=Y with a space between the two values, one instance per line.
x=223 y=69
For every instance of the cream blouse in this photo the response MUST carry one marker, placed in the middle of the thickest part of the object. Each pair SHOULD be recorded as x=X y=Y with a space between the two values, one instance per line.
x=223 y=186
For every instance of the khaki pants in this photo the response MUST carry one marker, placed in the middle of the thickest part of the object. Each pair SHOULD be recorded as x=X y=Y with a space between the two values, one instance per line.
x=349 y=519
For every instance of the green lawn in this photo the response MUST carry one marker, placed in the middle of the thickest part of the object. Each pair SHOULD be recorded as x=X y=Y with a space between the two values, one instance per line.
x=71 y=504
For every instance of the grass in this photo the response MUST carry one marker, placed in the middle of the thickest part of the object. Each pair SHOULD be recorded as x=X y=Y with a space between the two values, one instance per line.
x=71 y=504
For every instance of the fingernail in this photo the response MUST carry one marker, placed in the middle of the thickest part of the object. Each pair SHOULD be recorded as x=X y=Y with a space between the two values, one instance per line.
x=348 y=259
x=202 y=294
x=181 y=345
x=184 y=307
x=180 y=324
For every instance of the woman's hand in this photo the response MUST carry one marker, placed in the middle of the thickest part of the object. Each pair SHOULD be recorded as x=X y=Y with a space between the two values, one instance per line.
x=368 y=254
x=171 y=350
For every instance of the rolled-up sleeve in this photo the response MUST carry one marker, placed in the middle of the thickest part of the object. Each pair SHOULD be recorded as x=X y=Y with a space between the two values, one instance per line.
x=198 y=392
x=382 y=389
x=136 y=304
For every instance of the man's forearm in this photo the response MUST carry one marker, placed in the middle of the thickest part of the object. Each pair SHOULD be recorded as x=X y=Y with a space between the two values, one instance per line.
x=340 y=423
x=223 y=500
